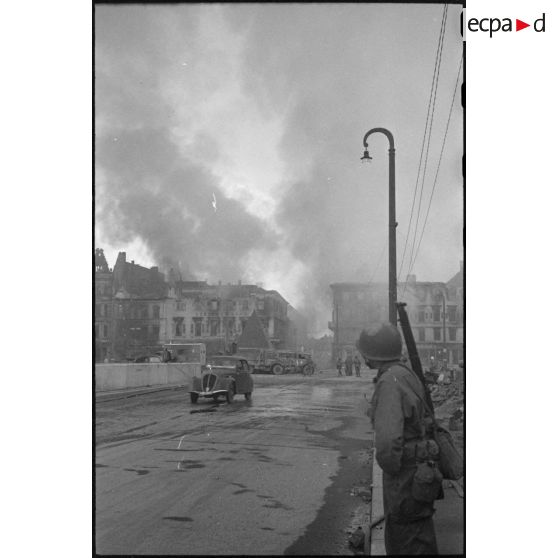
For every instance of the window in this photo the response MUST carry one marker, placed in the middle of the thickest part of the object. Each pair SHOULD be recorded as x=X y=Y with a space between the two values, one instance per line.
x=105 y=331
x=421 y=334
x=436 y=313
x=178 y=326
x=437 y=333
x=452 y=313
x=197 y=327
x=421 y=316
x=452 y=333
x=260 y=304
x=156 y=312
x=245 y=305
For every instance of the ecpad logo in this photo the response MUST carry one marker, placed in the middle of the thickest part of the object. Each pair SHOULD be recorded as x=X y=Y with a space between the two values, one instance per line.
x=494 y=24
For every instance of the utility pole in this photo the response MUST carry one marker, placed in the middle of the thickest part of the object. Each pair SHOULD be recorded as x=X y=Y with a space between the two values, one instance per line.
x=392 y=224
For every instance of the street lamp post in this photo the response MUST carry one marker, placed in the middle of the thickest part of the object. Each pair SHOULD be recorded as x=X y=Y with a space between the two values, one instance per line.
x=392 y=273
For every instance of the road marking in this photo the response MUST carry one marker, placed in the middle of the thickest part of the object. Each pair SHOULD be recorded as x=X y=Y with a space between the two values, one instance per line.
x=178 y=463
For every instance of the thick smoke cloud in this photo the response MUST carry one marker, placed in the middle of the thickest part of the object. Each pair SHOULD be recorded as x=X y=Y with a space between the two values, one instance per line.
x=168 y=203
x=346 y=69
x=266 y=105
x=147 y=187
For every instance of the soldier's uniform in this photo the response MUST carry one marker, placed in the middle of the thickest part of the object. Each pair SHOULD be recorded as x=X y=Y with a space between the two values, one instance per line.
x=398 y=417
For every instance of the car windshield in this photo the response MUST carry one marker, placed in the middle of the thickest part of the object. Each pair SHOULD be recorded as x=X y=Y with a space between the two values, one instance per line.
x=223 y=361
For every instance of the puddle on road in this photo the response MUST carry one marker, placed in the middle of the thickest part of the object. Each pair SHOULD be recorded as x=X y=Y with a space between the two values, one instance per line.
x=138 y=471
x=243 y=491
x=185 y=464
x=177 y=518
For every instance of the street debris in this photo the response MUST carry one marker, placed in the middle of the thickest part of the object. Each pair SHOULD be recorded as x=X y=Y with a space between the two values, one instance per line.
x=449 y=404
x=356 y=540
x=362 y=492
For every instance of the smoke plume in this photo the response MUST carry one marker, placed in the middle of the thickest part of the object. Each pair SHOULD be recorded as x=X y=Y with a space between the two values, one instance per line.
x=265 y=107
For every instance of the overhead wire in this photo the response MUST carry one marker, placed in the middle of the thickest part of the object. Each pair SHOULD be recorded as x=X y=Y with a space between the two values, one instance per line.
x=439 y=163
x=411 y=255
x=436 y=64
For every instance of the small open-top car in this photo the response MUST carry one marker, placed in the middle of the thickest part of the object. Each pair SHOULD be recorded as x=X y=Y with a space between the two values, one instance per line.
x=225 y=376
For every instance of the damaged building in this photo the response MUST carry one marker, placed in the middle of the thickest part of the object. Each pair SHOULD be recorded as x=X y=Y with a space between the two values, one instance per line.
x=144 y=309
x=435 y=311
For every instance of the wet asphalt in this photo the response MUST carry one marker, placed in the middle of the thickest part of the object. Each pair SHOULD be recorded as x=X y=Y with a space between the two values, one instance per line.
x=273 y=476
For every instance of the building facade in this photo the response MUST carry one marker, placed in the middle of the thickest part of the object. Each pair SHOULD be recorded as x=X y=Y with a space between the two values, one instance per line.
x=435 y=310
x=138 y=309
x=140 y=294
x=216 y=314
x=103 y=307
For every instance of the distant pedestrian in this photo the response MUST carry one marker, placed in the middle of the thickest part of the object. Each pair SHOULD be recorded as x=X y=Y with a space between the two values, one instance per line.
x=349 y=365
x=166 y=355
x=339 y=366
x=356 y=363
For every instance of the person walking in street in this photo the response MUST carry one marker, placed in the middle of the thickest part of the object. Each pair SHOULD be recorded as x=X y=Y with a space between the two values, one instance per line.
x=339 y=366
x=349 y=366
x=356 y=363
x=405 y=453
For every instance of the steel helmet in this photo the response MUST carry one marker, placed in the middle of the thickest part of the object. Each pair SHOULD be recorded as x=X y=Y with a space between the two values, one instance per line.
x=381 y=342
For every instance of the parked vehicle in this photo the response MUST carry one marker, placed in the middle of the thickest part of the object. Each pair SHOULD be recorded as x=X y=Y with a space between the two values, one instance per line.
x=153 y=359
x=294 y=362
x=223 y=376
x=185 y=352
x=305 y=364
x=264 y=361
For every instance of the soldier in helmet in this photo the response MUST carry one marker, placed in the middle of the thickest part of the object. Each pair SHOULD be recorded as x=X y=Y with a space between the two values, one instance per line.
x=399 y=417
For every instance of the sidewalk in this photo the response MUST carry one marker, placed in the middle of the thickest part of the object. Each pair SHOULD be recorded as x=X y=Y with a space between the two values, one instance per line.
x=448 y=519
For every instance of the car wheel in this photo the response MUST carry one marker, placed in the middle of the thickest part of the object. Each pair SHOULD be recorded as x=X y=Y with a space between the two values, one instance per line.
x=194 y=397
x=307 y=370
x=248 y=396
x=230 y=393
x=277 y=369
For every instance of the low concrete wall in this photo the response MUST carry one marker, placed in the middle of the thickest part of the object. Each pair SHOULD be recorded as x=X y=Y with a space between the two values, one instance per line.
x=128 y=375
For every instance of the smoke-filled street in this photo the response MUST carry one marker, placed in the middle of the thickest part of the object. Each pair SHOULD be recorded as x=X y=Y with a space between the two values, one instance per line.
x=283 y=473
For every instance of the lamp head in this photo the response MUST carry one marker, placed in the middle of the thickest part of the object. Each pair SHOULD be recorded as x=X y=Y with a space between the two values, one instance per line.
x=366 y=157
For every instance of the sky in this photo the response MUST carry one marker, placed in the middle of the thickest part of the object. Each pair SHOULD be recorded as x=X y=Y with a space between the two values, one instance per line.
x=228 y=142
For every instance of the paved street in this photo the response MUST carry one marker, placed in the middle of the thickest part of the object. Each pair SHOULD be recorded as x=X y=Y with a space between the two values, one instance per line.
x=270 y=476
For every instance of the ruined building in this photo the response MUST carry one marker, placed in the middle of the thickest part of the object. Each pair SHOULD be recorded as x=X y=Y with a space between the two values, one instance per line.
x=103 y=306
x=142 y=309
x=435 y=311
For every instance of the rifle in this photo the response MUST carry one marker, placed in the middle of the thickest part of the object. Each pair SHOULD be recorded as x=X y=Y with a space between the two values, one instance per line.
x=416 y=364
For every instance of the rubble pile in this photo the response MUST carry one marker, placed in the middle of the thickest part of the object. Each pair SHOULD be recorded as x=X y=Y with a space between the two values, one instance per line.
x=448 y=404
x=441 y=393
